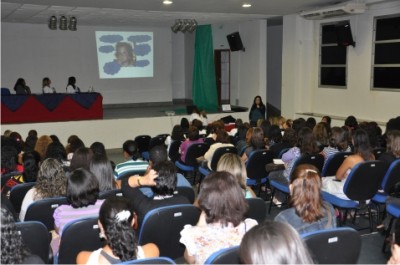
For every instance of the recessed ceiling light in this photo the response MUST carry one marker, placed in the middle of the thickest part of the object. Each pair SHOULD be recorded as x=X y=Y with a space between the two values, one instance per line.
x=246 y=5
x=167 y=2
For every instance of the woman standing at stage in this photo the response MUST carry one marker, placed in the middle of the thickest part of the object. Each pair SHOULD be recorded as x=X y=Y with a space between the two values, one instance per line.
x=71 y=86
x=257 y=111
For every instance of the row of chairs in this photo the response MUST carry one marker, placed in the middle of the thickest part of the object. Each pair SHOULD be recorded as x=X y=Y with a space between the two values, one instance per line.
x=82 y=234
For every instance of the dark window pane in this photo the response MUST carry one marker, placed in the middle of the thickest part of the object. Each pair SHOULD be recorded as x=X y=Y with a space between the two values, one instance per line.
x=388 y=28
x=333 y=55
x=329 y=34
x=387 y=77
x=387 y=53
x=335 y=76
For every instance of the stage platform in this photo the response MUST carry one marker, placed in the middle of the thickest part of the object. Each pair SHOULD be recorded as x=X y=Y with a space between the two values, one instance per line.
x=119 y=124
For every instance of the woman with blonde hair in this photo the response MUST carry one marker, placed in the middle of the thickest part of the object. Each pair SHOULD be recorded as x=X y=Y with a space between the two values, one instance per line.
x=308 y=212
x=233 y=164
x=41 y=145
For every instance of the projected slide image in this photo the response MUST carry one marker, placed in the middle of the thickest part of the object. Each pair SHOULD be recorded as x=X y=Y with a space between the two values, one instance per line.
x=124 y=54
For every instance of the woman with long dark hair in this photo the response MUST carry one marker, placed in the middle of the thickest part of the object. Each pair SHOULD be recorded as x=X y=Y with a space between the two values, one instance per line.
x=116 y=226
x=257 y=111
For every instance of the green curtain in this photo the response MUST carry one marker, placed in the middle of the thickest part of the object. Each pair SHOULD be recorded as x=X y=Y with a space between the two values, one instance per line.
x=204 y=87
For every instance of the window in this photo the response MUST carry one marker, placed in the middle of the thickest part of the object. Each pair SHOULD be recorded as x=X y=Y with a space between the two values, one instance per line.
x=386 y=54
x=333 y=56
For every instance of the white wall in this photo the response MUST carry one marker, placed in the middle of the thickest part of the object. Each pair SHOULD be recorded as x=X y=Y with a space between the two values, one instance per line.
x=34 y=51
x=300 y=91
x=274 y=65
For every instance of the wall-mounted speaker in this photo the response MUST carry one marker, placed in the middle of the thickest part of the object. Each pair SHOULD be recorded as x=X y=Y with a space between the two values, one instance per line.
x=343 y=34
x=235 y=42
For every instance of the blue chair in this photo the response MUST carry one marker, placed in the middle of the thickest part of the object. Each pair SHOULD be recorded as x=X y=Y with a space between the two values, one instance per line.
x=162 y=226
x=219 y=152
x=257 y=175
x=340 y=245
x=78 y=235
x=394 y=210
x=155 y=141
x=316 y=160
x=110 y=193
x=173 y=152
x=333 y=163
x=191 y=165
x=390 y=179
x=143 y=142
x=17 y=194
x=225 y=256
x=36 y=238
x=257 y=209
x=158 y=260
x=360 y=186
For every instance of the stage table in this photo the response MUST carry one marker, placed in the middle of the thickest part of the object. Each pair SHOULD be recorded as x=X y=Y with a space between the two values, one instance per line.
x=51 y=107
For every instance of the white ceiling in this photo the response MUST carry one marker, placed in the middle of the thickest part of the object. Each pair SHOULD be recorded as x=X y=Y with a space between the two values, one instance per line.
x=153 y=12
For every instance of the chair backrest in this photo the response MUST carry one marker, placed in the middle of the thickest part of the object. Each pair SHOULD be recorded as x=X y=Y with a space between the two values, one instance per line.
x=333 y=163
x=79 y=235
x=173 y=151
x=5 y=91
x=36 y=238
x=378 y=151
x=364 y=180
x=43 y=210
x=316 y=160
x=143 y=142
x=17 y=194
x=157 y=140
x=257 y=209
x=162 y=226
x=188 y=192
x=110 y=193
x=219 y=152
x=340 y=245
x=391 y=177
x=225 y=256
x=194 y=151
x=158 y=260
x=256 y=162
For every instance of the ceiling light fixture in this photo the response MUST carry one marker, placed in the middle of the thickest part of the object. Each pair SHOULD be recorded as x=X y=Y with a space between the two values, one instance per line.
x=167 y=2
x=246 y=5
x=65 y=23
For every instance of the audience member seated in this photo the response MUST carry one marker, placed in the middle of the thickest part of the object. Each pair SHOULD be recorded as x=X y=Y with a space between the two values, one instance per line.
x=41 y=145
x=289 y=139
x=274 y=136
x=101 y=167
x=133 y=162
x=374 y=133
x=11 y=172
x=30 y=162
x=163 y=188
x=192 y=138
x=306 y=144
x=221 y=223
x=176 y=135
x=215 y=126
x=73 y=143
x=351 y=123
x=198 y=115
x=13 y=250
x=241 y=138
x=185 y=126
x=21 y=88
x=327 y=120
x=222 y=140
x=116 y=227
x=233 y=164
x=82 y=194
x=321 y=134
x=199 y=124
x=337 y=142
x=156 y=155
x=257 y=142
x=392 y=147
x=273 y=243
x=362 y=152
x=51 y=182
x=57 y=151
x=81 y=158
x=308 y=211
x=311 y=123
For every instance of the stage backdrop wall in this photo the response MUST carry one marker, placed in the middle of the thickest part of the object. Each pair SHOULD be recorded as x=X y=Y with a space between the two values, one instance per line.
x=33 y=51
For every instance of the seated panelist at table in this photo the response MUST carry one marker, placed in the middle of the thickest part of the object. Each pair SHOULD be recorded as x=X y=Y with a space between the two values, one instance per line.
x=46 y=86
x=71 y=86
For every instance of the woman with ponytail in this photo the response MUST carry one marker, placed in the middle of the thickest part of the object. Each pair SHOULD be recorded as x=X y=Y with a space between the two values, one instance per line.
x=116 y=227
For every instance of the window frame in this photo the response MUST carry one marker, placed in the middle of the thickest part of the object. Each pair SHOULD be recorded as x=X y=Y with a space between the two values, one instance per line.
x=321 y=66
x=373 y=65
